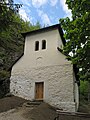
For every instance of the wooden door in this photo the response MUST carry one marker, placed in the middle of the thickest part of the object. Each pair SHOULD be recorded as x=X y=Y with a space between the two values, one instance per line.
x=39 y=89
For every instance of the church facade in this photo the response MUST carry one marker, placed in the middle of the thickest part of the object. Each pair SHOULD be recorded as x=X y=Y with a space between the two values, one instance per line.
x=43 y=72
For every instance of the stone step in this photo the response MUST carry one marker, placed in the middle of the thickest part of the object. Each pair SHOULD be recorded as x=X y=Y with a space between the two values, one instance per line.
x=32 y=103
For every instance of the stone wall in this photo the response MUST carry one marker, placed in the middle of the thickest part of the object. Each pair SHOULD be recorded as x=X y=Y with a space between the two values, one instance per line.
x=58 y=85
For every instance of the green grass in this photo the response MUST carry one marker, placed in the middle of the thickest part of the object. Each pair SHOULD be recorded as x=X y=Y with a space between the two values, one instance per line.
x=84 y=104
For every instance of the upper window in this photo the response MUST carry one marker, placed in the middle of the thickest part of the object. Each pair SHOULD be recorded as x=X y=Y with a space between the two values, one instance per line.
x=43 y=44
x=36 y=45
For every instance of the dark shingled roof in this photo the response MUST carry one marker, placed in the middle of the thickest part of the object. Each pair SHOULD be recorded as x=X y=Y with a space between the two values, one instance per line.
x=57 y=26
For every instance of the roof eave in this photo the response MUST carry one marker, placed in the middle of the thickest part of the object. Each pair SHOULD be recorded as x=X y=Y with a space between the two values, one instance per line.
x=58 y=26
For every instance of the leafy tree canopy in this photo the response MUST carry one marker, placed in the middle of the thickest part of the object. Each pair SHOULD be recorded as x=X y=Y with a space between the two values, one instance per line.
x=7 y=11
x=77 y=35
x=11 y=40
x=11 y=27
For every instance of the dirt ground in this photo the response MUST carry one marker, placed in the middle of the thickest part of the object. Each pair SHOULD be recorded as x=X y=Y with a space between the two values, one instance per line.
x=15 y=108
x=8 y=103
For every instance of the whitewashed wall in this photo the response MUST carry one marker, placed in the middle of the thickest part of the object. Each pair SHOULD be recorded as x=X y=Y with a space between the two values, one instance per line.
x=46 y=57
x=48 y=66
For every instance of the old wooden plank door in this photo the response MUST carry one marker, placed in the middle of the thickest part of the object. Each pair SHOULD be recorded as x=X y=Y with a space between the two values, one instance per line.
x=39 y=89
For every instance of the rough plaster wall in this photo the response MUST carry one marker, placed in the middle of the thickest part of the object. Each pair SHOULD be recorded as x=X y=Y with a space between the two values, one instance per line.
x=58 y=85
x=46 y=57
x=48 y=66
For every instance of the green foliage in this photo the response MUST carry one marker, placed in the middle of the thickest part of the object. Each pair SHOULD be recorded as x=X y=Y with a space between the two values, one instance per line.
x=4 y=74
x=6 y=13
x=77 y=32
x=84 y=88
x=11 y=40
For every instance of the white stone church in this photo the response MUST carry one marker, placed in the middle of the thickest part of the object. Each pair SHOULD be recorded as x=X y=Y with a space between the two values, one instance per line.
x=43 y=72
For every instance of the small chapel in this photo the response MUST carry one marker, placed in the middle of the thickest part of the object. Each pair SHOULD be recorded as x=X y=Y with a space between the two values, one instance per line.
x=43 y=72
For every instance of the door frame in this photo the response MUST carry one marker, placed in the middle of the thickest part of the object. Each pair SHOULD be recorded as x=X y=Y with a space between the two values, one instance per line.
x=42 y=91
